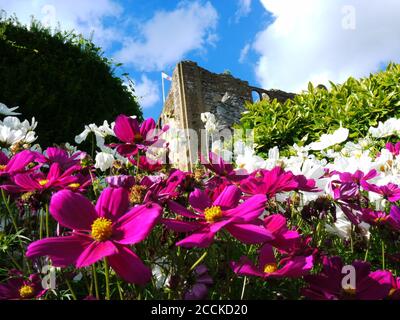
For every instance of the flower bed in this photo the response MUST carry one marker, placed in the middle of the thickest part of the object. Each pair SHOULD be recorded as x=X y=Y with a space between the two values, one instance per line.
x=321 y=224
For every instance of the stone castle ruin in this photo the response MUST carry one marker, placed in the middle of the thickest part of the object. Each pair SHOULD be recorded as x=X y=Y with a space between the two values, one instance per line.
x=195 y=90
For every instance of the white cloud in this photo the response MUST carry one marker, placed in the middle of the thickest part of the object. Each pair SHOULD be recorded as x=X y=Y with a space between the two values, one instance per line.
x=84 y=16
x=244 y=52
x=147 y=91
x=244 y=8
x=169 y=35
x=313 y=40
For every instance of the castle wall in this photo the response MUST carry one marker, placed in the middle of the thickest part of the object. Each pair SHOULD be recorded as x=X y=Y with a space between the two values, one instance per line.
x=195 y=90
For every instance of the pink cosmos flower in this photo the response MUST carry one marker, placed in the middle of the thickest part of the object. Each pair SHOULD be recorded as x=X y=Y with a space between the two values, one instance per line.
x=162 y=190
x=17 y=164
x=60 y=156
x=271 y=182
x=394 y=149
x=390 y=191
x=223 y=169
x=225 y=212
x=327 y=285
x=135 y=136
x=54 y=179
x=20 y=288
x=146 y=164
x=269 y=267
x=284 y=239
x=374 y=217
x=394 y=218
x=357 y=177
x=106 y=230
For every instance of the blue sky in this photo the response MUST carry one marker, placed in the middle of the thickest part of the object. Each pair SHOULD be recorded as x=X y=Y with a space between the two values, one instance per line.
x=279 y=44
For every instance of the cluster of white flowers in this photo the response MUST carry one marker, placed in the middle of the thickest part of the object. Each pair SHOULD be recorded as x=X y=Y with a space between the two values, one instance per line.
x=352 y=156
x=106 y=157
x=13 y=131
x=210 y=122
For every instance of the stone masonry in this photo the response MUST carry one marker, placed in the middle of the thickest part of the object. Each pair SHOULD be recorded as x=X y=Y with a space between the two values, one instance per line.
x=195 y=90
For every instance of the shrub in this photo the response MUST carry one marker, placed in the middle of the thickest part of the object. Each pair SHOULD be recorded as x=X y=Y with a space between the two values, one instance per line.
x=355 y=104
x=60 y=78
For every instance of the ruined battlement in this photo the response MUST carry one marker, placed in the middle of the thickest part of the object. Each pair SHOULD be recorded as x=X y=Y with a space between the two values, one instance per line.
x=195 y=90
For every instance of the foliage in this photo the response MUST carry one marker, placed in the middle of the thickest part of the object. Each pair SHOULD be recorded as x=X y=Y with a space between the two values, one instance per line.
x=60 y=78
x=355 y=104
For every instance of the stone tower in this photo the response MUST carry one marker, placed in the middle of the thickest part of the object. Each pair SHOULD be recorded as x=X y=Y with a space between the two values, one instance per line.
x=195 y=90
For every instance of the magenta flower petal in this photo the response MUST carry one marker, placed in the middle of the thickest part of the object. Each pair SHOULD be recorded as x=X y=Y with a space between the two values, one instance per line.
x=146 y=129
x=95 y=252
x=112 y=203
x=129 y=266
x=249 y=233
x=201 y=239
x=245 y=267
x=199 y=200
x=375 y=286
x=296 y=267
x=136 y=225
x=20 y=161
x=26 y=182
x=62 y=251
x=249 y=210
x=181 y=226
x=127 y=149
x=126 y=128
x=229 y=198
x=181 y=210
x=276 y=223
x=72 y=210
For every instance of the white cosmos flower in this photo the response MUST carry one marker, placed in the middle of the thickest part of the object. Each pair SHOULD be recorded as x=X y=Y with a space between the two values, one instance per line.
x=104 y=161
x=13 y=131
x=249 y=161
x=329 y=140
x=342 y=226
x=385 y=129
x=210 y=123
x=4 y=110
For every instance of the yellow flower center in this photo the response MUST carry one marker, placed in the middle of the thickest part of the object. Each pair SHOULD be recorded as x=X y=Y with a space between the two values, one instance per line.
x=270 y=268
x=74 y=185
x=213 y=213
x=43 y=182
x=26 y=292
x=380 y=219
x=102 y=229
x=138 y=137
x=2 y=167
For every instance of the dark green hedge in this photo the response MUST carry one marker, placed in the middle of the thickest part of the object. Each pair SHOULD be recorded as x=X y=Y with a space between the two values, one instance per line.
x=356 y=104
x=61 y=79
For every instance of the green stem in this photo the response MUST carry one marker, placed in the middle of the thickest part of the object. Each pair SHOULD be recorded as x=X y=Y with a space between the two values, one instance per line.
x=107 y=276
x=6 y=203
x=121 y=296
x=96 y=283
x=47 y=221
x=366 y=252
x=70 y=289
x=40 y=224
x=243 y=288
x=14 y=222
x=198 y=261
x=383 y=254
